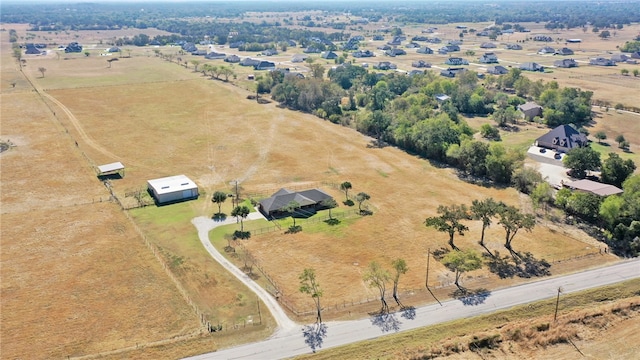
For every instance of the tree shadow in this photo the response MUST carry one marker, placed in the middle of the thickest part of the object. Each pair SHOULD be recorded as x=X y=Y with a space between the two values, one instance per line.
x=377 y=144
x=408 y=312
x=219 y=217
x=314 y=335
x=520 y=265
x=471 y=297
x=386 y=321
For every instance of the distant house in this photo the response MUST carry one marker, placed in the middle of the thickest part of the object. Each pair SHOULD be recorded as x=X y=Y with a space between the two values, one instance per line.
x=455 y=42
x=189 y=47
x=172 y=189
x=362 y=53
x=434 y=40
x=451 y=48
x=619 y=58
x=416 y=72
x=155 y=43
x=232 y=58
x=487 y=45
x=424 y=50
x=384 y=47
x=420 y=64
x=562 y=139
x=419 y=38
x=249 y=62
x=593 y=187
x=514 y=47
x=546 y=50
x=397 y=40
x=565 y=63
x=265 y=65
x=489 y=58
x=113 y=49
x=385 y=65
x=530 y=110
x=311 y=50
x=298 y=58
x=309 y=200
x=236 y=44
x=565 y=51
x=635 y=55
x=574 y=41
x=452 y=72
x=378 y=38
x=497 y=70
x=329 y=55
x=73 y=47
x=215 y=56
x=600 y=61
x=395 y=52
x=543 y=38
x=32 y=50
x=412 y=45
x=456 y=61
x=531 y=66
x=269 y=52
x=441 y=97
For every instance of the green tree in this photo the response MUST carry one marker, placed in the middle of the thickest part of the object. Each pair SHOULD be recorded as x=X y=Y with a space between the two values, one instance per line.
x=580 y=160
x=329 y=203
x=401 y=268
x=525 y=179
x=600 y=135
x=513 y=220
x=361 y=198
x=615 y=170
x=636 y=72
x=346 y=186
x=291 y=207
x=542 y=195
x=219 y=197
x=195 y=63
x=562 y=198
x=377 y=277
x=489 y=132
x=611 y=210
x=605 y=34
x=241 y=212
x=309 y=285
x=505 y=116
x=624 y=72
x=317 y=70
x=461 y=262
x=449 y=221
x=585 y=205
x=86 y=53
x=620 y=139
x=484 y=210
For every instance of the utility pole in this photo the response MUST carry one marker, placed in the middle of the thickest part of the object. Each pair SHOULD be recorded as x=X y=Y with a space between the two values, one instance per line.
x=555 y=316
x=426 y=282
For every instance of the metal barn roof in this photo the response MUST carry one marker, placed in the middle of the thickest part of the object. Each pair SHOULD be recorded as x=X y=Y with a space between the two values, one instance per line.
x=116 y=166
x=171 y=184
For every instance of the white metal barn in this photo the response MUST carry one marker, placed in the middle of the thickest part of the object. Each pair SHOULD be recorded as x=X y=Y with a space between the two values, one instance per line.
x=173 y=189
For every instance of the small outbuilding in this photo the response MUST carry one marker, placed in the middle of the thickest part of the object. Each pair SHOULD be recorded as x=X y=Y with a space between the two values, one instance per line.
x=172 y=189
x=112 y=169
x=593 y=187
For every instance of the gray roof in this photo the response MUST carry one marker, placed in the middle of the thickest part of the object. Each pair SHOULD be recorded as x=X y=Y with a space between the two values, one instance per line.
x=284 y=196
x=563 y=137
x=594 y=187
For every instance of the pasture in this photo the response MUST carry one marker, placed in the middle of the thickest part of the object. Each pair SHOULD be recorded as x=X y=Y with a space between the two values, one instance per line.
x=162 y=119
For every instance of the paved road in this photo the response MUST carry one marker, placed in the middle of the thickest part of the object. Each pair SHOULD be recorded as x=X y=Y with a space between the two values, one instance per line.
x=204 y=225
x=293 y=342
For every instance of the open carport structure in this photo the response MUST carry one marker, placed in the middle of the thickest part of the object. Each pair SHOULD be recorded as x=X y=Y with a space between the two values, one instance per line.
x=115 y=168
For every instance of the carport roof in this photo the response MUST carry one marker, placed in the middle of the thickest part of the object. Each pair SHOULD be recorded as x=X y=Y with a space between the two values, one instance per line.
x=594 y=187
x=116 y=166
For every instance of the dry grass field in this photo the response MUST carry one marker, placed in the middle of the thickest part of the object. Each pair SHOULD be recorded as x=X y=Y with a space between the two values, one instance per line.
x=77 y=279
x=161 y=119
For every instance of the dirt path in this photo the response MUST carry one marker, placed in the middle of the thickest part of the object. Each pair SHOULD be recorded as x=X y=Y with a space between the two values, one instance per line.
x=204 y=225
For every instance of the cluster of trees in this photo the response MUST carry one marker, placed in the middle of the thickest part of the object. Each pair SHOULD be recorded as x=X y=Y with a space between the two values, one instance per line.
x=450 y=220
x=631 y=46
x=402 y=110
x=618 y=215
